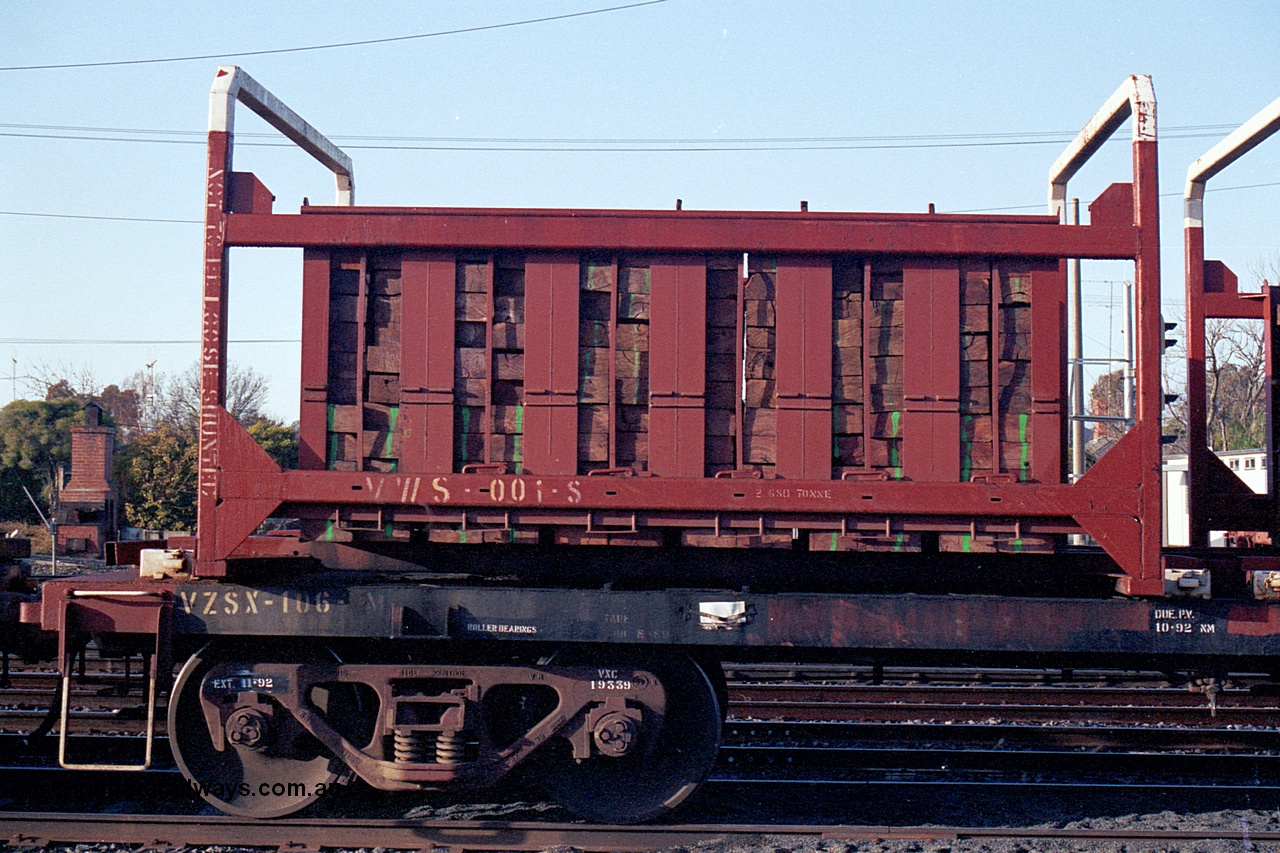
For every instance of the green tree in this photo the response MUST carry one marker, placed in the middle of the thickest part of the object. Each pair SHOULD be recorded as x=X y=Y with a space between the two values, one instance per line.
x=35 y=436
x=14 y=505
x=157 y=475
x=280 y=441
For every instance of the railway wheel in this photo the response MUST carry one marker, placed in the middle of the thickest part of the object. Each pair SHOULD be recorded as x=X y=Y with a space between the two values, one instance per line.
x=672 y=753
x=270 y=766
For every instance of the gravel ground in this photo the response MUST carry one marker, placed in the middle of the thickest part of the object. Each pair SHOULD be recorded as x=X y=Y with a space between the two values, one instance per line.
x=1101 y=811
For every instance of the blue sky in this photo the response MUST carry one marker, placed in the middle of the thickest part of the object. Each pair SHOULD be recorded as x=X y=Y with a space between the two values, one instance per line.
x=696 y=77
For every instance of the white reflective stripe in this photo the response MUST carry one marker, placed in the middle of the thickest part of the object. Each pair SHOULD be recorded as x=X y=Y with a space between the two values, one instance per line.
x=1239 y=142
x=1136 y=98
x=232 y=84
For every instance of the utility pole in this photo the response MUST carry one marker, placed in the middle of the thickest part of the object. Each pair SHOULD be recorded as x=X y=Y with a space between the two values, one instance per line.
x=1076 y=309
x=1129 y=373
x=52 y=523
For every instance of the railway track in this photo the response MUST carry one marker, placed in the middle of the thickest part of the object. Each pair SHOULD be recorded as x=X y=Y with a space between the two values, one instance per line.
x=108 y=700
x=174 y=832
x=801 y=727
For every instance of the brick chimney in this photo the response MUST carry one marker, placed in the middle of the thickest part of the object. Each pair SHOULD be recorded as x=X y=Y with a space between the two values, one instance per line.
x=88 y=504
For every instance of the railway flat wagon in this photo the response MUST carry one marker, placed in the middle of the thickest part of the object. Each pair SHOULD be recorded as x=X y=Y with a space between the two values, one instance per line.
x=556 y=466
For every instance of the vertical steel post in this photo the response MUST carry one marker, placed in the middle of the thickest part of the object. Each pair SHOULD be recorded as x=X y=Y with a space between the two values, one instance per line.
x=1136 y=99
x=1200 y=462
x=230 y=85
x=1076 y=307
x=1127 y=373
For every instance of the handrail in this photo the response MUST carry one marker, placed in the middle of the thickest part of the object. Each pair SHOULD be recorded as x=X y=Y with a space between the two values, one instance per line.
x=231 y=84
x=1239 y=142
x=1136 y=98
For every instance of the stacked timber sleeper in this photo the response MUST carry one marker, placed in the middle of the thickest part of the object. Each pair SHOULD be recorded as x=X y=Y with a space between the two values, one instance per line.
x=848 y=444
x=613 y=356
x=760 y=351
x=366 y=328
x=489 y=329
x=754 y=325
x=364 y=364
x=724 y=334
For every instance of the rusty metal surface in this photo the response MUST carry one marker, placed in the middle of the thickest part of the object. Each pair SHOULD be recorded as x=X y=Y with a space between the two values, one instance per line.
x=337 y=606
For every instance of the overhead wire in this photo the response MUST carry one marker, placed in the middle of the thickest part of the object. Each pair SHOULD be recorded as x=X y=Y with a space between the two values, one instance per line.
x=138 y=342
x=333 y=45
x=585 y=144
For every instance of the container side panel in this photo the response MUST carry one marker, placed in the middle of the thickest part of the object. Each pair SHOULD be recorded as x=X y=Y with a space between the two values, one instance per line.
x=804 y=367
x=427 y=362
x=931 y=371
x=677 y=380
x=1048 y=373
x=313 y=407
x=550 y=365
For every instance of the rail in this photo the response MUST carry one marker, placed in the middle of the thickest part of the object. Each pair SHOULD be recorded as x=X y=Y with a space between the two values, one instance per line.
x=168 y=831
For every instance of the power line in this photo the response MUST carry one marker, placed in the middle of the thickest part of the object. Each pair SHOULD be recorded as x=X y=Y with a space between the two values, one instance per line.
x=1056 y=135
x=632 y=146
x=101 y=218
x=1162 y=195
x=334 y=45
x=585 y=148
x=140 y=342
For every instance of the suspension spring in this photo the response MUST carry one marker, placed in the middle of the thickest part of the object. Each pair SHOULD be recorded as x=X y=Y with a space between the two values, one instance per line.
x=415 y=747
x=452 y=748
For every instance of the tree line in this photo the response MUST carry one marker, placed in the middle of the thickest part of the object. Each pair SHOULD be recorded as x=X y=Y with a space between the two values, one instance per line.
x=156 y=417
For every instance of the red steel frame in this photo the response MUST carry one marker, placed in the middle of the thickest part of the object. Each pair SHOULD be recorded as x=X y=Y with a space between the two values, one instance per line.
x=1117 y=501
x=1216 y=498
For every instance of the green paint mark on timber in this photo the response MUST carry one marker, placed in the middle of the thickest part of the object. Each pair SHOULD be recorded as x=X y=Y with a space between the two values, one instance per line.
x=394 y=415
x=328 y=530
x=966 y=543
x=462 y=536
x=519 y=420
x=387 y=530
x=516 y=456
x=1026 y=448
x=898 y=544
x=333 y=439
x=835 y=538
x=895 y=419
x=966 y=447
x=466 y=430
